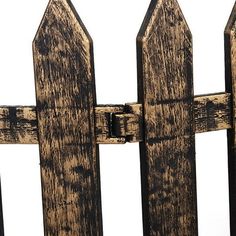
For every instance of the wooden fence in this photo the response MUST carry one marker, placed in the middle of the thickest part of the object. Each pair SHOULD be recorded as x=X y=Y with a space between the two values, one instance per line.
x=68 y=124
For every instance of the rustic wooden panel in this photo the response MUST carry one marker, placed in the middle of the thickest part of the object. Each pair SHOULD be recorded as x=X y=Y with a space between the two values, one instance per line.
x=164 y=46
x=230 y=63
x=212 y=112
x=65 y=91
x=18 y=125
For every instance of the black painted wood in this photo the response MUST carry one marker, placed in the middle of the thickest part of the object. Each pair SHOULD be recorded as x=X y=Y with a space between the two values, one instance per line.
x=65 y=91
x=1 y=213
x=168 y=151
x=230 y=79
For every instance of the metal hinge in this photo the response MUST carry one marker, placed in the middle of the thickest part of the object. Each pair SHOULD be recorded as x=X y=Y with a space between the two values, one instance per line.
x=118 y=124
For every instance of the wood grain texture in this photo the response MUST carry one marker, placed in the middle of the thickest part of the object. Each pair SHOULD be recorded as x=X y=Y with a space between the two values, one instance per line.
x=164 y=47
x=1 y=213
x=212 y=112
x=230 y=78
x=65 y=91
x=128 y=124
x=103 y=115
x=18 y=125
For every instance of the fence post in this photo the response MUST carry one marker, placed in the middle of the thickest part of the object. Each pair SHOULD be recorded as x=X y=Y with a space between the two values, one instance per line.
x=165 y=76
x=1 y=213
x=65 y=91
x=230 y=78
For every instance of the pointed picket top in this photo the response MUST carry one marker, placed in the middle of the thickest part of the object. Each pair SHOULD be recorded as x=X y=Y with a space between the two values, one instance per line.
x=61 y=36
x=230 y=63
x=230 y=79
x=231 y=22
x=165 y=14
x=64 y=11
x=164 y=25
x=65 y=96
x=165 y=77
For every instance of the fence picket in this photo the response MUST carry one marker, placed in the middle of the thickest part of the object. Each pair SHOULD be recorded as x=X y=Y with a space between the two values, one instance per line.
x=230 y=78
x=65 y=91
x=68 y=125
x=1 y=213
x=164 y=46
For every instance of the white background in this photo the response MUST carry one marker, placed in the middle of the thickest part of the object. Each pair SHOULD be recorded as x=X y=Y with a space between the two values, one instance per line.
x=113 y=26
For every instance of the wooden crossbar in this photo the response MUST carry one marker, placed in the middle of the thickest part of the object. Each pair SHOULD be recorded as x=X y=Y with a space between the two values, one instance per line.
x=212 y=112
x=18 y=124
x=67 y=124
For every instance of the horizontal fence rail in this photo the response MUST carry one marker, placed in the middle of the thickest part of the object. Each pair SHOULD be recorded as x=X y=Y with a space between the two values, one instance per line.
x=18 y=124
x=68 y=124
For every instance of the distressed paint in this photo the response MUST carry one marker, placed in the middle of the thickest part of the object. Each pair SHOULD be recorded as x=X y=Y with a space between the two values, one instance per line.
x=230 y=79
x=165 y=78
x=65 y=91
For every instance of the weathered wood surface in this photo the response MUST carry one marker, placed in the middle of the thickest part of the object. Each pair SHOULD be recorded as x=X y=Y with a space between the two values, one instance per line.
x=18 y=125
x=164 y=46
x=103 y=116
x=118 y=124
x=129 y=124
x=65 y=91
x=230 y=75
x=212 y=112
x=1 y=213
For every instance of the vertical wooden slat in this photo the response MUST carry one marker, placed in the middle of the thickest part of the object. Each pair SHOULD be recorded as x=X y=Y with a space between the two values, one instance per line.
x=168 y=151
x=1 y=212
x=230 y=72
x=64 y=76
